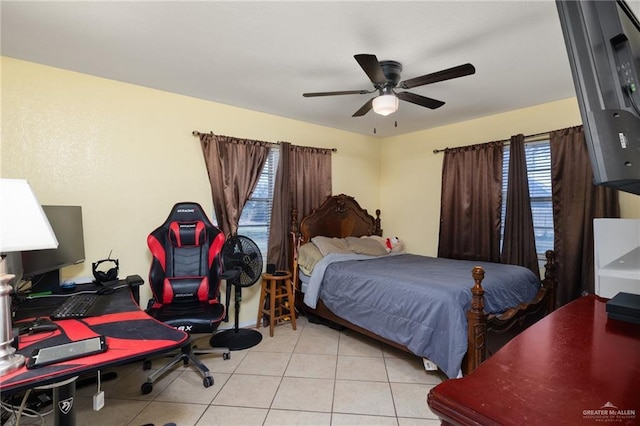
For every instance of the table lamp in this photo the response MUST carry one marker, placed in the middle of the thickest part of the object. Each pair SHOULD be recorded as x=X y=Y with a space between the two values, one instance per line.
x=23 y=226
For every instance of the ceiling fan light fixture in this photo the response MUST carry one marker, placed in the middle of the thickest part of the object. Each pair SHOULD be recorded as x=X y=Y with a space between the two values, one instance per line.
x=385 y=104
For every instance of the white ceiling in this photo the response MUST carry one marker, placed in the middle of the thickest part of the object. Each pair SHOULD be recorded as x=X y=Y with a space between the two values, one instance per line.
x=263 y=55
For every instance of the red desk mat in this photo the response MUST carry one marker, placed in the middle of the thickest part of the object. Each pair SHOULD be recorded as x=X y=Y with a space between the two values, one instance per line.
x=130 y=335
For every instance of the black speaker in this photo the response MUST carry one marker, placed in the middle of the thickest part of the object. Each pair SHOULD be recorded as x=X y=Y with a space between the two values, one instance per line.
x=101 y=275
x=271 y=268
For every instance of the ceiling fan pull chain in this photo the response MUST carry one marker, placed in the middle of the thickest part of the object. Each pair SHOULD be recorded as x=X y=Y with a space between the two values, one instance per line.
x=375 y=124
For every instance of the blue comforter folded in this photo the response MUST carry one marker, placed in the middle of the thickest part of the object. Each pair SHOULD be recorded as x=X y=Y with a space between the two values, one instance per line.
x=417 y=301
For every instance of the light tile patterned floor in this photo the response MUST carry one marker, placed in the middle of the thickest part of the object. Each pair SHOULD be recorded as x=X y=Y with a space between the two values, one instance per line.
x=312 y=376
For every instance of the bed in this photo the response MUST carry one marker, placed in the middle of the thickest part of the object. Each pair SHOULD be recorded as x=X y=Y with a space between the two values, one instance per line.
x=454 y=313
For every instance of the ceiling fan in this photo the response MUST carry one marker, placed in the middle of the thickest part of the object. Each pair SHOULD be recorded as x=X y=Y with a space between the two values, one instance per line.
x=385 y=76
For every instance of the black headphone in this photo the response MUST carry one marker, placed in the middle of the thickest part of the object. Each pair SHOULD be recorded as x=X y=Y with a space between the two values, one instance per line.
x=109 y=275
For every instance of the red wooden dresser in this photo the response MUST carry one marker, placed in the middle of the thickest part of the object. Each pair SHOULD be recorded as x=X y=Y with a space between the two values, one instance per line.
x=573 y=367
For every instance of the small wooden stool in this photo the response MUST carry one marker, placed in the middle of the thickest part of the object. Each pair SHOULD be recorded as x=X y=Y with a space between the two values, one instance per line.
x=279 y=288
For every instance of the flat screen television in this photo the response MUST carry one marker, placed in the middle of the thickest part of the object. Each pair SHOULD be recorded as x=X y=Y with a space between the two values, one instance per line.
x=42 y=267
x=603 y=43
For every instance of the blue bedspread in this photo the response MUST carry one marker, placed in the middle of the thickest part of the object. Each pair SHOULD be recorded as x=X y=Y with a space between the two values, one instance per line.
x=417 y=301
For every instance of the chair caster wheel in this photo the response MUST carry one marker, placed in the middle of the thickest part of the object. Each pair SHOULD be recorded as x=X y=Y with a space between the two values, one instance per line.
x=146 y=388
x=226 y=356
x=207 y=381
x=146 y=364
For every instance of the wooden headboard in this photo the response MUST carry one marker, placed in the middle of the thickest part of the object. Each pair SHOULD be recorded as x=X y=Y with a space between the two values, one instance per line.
x=339 y=216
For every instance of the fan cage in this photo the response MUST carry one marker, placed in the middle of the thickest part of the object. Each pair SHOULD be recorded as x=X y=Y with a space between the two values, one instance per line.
x=240 y=252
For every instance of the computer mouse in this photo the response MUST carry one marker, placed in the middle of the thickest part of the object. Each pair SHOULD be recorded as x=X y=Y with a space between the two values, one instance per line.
x=38 y=325
x=40 y=328
x=68 y=285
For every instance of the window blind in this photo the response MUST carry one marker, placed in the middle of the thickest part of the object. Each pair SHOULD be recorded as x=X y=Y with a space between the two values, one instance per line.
x=538 y=158
x=256 y=214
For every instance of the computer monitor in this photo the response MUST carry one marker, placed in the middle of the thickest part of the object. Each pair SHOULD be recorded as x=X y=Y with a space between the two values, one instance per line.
x=603 y=44
x=42 y=267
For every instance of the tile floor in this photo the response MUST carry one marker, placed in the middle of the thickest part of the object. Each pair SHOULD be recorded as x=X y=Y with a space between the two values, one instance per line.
x=312 y=376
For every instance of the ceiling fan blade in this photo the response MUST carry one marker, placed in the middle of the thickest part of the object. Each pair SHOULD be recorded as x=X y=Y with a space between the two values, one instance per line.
x=371 y=67
x=364 y=108
x=455 y=72
x=420 y=100
x=343 y=92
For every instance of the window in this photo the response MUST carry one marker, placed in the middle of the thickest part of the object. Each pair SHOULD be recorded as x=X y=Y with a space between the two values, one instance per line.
x=538 y=157
x=256 y=214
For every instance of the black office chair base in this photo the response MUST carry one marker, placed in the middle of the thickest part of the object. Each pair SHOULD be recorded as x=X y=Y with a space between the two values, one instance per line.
x=185 y=355
x=236 y=340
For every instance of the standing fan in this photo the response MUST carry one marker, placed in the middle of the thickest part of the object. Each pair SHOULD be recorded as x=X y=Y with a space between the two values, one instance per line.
x=242 y=264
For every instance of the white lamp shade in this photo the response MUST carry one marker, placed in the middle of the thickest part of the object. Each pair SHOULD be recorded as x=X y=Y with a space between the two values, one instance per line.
x=385 y=104
x=23 y=223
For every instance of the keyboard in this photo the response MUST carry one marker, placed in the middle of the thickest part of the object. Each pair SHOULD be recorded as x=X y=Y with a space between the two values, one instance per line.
x=80 y=306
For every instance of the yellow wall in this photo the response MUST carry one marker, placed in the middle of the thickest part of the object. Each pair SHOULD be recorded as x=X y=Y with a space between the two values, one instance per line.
x=629 y=206
x=126 y=154
x=412 y=174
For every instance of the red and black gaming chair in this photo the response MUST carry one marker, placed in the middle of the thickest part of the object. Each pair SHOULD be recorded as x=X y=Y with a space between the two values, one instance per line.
x=185 y=279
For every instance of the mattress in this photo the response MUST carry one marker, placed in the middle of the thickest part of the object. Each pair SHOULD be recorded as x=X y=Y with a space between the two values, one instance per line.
x=417 y=301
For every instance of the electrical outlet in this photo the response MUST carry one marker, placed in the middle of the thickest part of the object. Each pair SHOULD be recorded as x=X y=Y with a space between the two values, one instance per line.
x=98 y=401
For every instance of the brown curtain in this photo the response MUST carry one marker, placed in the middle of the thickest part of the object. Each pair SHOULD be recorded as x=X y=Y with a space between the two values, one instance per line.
x=303 y=182
x=519 y=245
x=471 y=202
x=576 y=202
x=234 y=166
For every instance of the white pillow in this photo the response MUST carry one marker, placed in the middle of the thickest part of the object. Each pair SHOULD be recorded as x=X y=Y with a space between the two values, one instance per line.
x=328 y=245
x=366 y=245
x=308 y=256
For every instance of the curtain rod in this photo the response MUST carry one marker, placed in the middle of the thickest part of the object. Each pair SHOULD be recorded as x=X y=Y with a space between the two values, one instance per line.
x=197 y=133
x=331 y=149
x=528 y=138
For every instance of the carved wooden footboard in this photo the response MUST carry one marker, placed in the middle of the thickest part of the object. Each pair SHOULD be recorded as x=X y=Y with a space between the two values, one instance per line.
x=341 y=216
x=512 y=321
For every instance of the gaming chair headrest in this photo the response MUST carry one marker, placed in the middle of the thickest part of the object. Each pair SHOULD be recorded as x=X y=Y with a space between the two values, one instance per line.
x=188 y=212
x=186 y=225
x=187 y=234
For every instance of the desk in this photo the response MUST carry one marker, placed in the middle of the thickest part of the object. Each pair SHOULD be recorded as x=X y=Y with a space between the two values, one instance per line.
x=574 y=366
x=131 y=334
